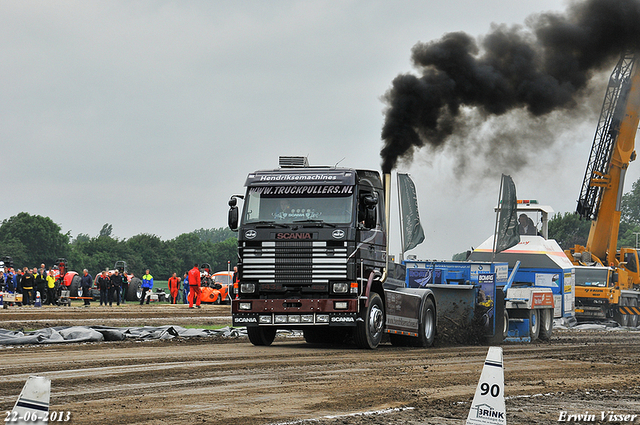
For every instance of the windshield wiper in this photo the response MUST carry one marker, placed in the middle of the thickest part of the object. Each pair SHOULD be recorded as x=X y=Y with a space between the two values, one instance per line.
x=319 y=223
x=268 y=223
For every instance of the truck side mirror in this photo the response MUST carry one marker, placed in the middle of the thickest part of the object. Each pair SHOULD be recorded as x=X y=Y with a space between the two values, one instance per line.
x=233 y=214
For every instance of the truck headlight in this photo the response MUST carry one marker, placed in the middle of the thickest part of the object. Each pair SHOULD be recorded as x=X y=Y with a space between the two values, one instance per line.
x=248 y=288
x=340 y=287
x=244 y=306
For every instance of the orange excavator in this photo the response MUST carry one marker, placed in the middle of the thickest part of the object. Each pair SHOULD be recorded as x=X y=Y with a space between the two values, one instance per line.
x=607 y=279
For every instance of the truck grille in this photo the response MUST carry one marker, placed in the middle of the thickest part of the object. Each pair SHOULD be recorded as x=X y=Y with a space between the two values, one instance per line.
x=294 y=263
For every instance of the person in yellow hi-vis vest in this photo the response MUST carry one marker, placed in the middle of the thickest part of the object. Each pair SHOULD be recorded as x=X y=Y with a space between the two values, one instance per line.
x=51 y=288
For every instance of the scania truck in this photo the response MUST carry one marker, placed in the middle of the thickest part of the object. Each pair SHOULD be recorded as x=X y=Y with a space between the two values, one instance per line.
x=312 y=247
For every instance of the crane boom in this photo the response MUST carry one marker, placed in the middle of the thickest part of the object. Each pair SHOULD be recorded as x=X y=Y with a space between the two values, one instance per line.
x=611 y=153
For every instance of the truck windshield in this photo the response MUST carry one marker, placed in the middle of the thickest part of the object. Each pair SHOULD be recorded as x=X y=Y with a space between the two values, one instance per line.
x=289 y=204
x=592 y=276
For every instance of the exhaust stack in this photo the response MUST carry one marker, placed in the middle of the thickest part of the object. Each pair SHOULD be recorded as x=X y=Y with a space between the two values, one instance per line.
x=387 y=211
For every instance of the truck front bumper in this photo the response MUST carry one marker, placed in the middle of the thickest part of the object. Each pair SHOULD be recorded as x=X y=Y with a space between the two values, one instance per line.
x=297 y=313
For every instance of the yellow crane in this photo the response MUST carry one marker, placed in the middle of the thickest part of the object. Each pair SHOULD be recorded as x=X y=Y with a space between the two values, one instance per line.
x=609 y=290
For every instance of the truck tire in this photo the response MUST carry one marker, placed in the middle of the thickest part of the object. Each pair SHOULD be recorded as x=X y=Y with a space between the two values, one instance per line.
x=368 y=332
x=261 y=336
x=505 y=324
x=427 y=329
x=546 y=324
x=134 y=291
x=633 y=319
x=534 y=324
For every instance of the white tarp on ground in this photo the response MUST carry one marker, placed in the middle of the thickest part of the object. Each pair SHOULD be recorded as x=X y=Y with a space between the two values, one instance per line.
x=67 y=334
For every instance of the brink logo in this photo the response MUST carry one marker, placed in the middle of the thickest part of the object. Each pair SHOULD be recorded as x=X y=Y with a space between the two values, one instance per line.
x=486 y=411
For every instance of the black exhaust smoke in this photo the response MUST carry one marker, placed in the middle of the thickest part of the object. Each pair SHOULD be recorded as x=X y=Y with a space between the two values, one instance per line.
x=536 y=69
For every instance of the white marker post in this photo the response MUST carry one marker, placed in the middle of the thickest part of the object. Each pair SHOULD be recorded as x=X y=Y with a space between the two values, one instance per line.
x=488 y=406
x=32 y=406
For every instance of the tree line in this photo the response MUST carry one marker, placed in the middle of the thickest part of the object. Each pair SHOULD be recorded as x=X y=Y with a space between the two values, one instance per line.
x=32 y=240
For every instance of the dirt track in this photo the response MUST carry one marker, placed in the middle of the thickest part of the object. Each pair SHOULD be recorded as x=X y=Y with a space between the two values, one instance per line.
x=232 y=382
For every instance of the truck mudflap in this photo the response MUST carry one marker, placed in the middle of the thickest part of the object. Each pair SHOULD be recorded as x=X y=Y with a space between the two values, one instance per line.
x=402 y=309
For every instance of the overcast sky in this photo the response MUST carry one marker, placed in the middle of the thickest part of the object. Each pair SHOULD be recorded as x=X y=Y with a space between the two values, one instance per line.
x=148 y=115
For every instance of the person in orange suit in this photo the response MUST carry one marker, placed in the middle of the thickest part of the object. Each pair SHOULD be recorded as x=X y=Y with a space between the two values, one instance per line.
x=194 y=286
x=174 y=287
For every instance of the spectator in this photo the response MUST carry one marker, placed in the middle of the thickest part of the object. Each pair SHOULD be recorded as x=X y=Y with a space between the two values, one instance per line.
x=39 y=282
x=27 y=286
x=174 y=287
x=9 y=280
x=185 y=287
x=233 y=286
x=114 y=287
x=51 y=288
x=17 y=281
x=103 y=285
x=147 y=285
x=194 y=286
x=125 y=287
x=86 y=282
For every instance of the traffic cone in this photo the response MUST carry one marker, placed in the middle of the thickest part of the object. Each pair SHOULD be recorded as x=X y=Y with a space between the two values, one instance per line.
x=38 y=302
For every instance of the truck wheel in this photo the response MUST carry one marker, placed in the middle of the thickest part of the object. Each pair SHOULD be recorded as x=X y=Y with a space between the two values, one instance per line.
x=427 y=330
x=260 y=335
x=534 y=324
x=368 y=332
x=633 y=319
x=546 y=324
x=505 y=324
x=134 y=291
